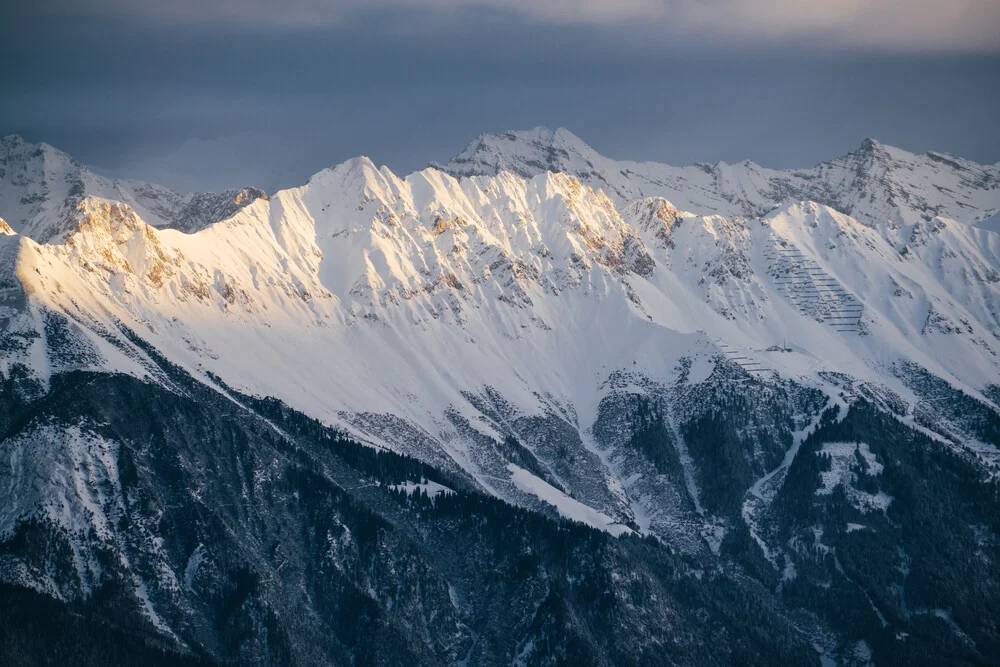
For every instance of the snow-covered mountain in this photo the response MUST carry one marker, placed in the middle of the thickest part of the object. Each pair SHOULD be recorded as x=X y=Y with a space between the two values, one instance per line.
x=641 y=348
x=41 y=185
x=876 y=184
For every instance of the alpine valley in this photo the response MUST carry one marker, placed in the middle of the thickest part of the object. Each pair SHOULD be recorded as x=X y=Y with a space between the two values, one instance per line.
x=532 y=406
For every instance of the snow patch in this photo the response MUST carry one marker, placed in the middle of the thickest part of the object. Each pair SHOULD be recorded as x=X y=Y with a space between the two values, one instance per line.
x=569 y=508
x=844 y=459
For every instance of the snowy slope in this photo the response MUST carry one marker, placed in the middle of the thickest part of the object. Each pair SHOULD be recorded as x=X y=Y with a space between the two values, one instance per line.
x=876 y=184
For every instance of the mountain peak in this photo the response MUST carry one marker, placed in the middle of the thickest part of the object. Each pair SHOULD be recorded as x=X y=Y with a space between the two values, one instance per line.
x=523 y=152
x=538 y=134
x=356 y=166
x=870 y=144
x=873 y=149
x=40 y=184
x=14 y=147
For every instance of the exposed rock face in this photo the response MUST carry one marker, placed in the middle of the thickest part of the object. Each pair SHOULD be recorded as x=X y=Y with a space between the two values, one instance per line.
x=202 y=209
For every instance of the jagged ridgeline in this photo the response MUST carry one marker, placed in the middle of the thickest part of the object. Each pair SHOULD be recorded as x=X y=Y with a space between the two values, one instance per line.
x=535 y=406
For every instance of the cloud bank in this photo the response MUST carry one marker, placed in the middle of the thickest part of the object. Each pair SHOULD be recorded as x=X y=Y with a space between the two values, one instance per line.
x=884 y=25
x=209 y=93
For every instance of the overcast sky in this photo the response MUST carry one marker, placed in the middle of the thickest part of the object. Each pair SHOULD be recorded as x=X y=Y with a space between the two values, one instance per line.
x=206 y=93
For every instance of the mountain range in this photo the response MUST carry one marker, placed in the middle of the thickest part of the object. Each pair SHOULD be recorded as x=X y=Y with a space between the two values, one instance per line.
x=530 y=406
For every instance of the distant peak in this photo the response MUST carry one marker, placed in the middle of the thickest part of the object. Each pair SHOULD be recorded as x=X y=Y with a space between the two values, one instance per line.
x=875 y=149
x=357 y=165
x=523 y=152
x=17 y=141
x=871 y=145
x=538 y=134
x=15 y=147
x=358 y=175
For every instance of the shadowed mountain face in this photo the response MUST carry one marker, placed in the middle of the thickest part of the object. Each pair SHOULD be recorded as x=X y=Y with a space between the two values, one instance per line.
x=534 y=406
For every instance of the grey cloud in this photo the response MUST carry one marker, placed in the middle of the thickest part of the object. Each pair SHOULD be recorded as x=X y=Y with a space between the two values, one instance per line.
x=212 y=103
x=880 y=25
